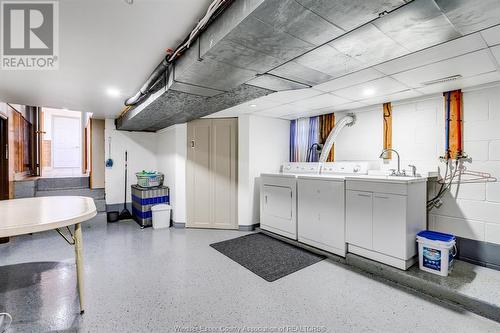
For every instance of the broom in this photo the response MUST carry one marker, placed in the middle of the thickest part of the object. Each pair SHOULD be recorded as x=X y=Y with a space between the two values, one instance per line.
x=125 y=213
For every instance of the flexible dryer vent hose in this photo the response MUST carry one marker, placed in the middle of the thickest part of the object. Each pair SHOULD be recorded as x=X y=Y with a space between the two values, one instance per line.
x=343 y=122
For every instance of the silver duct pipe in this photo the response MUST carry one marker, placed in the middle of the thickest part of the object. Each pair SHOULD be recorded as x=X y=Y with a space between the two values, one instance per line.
x=348 y=120
x=150 y=82
x=215 y=8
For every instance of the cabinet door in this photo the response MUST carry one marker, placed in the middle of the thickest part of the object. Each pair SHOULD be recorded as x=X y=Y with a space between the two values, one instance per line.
x=389 y=221
x=359 y=218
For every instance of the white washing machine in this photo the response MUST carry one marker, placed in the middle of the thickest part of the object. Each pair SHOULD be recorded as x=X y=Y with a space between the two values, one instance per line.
x=278 y=198
x=321 y=206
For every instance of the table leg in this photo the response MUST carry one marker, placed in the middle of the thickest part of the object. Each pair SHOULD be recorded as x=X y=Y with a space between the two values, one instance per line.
x=79 y=263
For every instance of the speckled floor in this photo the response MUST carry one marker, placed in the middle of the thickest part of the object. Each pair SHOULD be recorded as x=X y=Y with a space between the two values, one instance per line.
x=172 y=281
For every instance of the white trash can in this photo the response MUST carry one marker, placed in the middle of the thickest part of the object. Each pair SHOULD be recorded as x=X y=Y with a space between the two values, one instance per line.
x=436 y=252
x=161 y=216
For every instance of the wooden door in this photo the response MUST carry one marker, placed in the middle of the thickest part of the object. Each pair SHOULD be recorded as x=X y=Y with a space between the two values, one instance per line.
x=4 y=162
x=212 y=174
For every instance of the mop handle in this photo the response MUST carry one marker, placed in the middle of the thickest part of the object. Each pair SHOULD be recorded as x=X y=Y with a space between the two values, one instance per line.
x=126 y=167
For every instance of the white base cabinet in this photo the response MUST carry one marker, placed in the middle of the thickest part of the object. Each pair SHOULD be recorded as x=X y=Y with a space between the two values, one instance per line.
x=383 y=219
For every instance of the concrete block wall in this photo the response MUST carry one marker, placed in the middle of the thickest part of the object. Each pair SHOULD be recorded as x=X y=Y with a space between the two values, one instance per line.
x=470 y=210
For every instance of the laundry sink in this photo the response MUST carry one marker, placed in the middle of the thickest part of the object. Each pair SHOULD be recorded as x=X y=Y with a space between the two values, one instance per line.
x=388 y=178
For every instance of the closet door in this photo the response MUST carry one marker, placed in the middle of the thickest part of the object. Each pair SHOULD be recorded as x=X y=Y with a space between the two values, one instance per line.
x=212 y=174
x=223 y=167
x=198 y=173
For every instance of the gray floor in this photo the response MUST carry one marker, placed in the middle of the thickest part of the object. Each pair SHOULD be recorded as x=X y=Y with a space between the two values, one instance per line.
x=167 y=280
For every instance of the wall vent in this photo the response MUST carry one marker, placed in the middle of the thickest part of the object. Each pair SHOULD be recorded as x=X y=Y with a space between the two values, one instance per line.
x=442 y=80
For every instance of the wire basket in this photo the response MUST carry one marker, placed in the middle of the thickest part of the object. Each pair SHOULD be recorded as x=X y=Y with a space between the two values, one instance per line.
x=149 y=179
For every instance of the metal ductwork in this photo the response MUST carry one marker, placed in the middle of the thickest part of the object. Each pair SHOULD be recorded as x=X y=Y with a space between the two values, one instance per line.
x=257 y=47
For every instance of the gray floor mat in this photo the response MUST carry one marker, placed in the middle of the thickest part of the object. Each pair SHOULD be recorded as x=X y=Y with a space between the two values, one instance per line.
x=269 y=258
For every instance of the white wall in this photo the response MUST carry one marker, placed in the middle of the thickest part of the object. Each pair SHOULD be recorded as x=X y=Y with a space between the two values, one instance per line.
x=171 y=153
x=263 y=145
x=141 y=149
x=471 y=210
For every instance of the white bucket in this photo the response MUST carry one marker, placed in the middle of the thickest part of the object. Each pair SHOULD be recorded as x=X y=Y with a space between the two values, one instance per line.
x=161 y=216
x=436 y=252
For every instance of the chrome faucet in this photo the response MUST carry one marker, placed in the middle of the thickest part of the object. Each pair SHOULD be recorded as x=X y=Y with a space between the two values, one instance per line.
x=413 y=170
x=384 y=155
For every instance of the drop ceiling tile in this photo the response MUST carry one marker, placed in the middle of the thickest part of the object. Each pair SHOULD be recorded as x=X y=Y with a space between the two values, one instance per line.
x=462 y=83
x=471 y=15
x=259 y=104
x=349 y=80
x=492 y=35
x=466 y=65
x=292 y=95
x=328 y=60
x=368 y=45
x=350 y=106
x=320 y=101
x=496 y=53
x=417 y=25
x=374 y=88
x=436 y=53
x=281 y=110
x=333 y=109
x=392 y=97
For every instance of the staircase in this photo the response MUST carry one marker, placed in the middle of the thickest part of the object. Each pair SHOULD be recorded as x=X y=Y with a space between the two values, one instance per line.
x=71 y=186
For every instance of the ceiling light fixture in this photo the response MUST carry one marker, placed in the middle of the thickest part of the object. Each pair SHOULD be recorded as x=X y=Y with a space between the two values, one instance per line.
x=253 y=105
x=369 y=92
x=113 y=92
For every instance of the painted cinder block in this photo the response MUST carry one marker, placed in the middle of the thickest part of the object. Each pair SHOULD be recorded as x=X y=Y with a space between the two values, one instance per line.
x=459 y=227
x=482 y=130
x=492 y=233
x=494 y=150
x=493 y=192
x=477 y=150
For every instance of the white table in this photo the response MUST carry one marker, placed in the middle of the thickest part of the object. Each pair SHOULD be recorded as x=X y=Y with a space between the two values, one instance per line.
x=30 y=215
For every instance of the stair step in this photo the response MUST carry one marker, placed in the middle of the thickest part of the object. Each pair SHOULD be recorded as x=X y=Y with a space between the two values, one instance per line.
x=84 y=192
x=100 y=205
x=44 y=184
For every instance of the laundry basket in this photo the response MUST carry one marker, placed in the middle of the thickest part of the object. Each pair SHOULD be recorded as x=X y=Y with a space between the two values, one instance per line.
x=436 y=252
x=149 y=179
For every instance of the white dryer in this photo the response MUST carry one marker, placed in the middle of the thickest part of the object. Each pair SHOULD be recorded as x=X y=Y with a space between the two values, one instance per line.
x=278 y=198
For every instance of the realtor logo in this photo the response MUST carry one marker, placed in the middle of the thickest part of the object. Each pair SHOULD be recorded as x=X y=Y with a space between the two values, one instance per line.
x=29 y=35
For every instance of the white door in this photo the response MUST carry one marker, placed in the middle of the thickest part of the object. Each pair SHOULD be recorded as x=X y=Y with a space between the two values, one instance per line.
x=66 y=144
x=358 y=216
